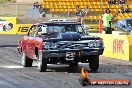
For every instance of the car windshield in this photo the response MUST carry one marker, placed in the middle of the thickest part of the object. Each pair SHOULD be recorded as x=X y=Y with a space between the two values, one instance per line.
x=129 y=23
x=61 y=28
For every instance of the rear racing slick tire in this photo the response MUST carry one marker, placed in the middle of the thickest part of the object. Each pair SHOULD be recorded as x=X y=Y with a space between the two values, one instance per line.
x=42 y=63
x=26 y=62
x=94 y=63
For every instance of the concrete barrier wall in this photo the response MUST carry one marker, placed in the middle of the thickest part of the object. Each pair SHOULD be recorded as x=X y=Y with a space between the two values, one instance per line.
x=117 y=46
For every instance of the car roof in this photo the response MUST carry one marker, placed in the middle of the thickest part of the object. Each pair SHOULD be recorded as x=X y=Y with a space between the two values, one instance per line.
x=59 y=20
x=52 y=23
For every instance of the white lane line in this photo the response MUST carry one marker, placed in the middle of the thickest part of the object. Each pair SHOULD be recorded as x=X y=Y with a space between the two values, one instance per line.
x=11 y=67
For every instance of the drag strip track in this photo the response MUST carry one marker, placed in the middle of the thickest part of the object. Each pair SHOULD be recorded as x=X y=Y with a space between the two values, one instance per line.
x=13 y=75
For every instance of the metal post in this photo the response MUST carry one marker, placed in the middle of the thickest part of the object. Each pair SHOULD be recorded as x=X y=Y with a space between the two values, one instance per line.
x=16 y=9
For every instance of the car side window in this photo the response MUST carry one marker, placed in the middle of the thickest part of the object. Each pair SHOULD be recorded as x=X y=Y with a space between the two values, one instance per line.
x=79 y=28
x=32 y=31
x=119 y=23
x=123 y=23
x=42 y=29
x=129 y=23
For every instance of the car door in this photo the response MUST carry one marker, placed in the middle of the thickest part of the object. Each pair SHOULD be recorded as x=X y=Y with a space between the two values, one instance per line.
x=31 y=42
x=41 y=29
x=24 y=44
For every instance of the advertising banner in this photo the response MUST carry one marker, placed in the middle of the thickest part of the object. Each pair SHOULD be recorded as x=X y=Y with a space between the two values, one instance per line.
x=7 y=25
x=23 y=28
x=117 y=46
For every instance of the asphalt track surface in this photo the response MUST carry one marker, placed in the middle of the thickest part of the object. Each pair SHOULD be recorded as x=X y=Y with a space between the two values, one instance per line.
x=13 y=75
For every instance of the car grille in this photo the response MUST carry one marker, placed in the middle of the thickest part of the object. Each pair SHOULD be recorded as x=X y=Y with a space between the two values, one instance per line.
x=73 y=45
x=77 y=45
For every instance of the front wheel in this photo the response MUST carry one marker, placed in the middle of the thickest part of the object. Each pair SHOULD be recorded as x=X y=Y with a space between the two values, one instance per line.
x=42 y=63
x=26 y=62
x=94 y=63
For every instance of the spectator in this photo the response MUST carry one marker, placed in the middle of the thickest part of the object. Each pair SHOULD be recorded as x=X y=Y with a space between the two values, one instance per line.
x=78 y=11
x=83 y=14
x=121 y=9
x=42 y=11
x=86 y=10
x=113 y=1
x=127 y=9
x=117 y=1
x=107 y=22
x=34 y=5
x=122 y=1
x=110 y=2
x=37 y=5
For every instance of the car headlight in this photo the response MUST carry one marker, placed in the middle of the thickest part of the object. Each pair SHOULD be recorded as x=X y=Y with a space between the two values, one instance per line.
x=49 y=45
x=53 y=45
x=95 y=44
x=90 y=44
x=101 y=43
x=46 y=45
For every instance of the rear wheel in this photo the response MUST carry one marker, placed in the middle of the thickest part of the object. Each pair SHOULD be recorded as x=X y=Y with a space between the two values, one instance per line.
x=94 y=63
x=42 y=63
x=26 y=62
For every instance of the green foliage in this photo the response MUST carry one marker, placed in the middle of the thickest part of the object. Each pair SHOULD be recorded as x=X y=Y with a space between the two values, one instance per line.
x=3 y=1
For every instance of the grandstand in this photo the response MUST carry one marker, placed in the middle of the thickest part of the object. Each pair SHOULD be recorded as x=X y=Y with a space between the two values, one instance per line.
x=96 y=7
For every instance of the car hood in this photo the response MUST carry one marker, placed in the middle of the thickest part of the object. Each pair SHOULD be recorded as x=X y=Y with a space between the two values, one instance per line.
x=69 y=36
